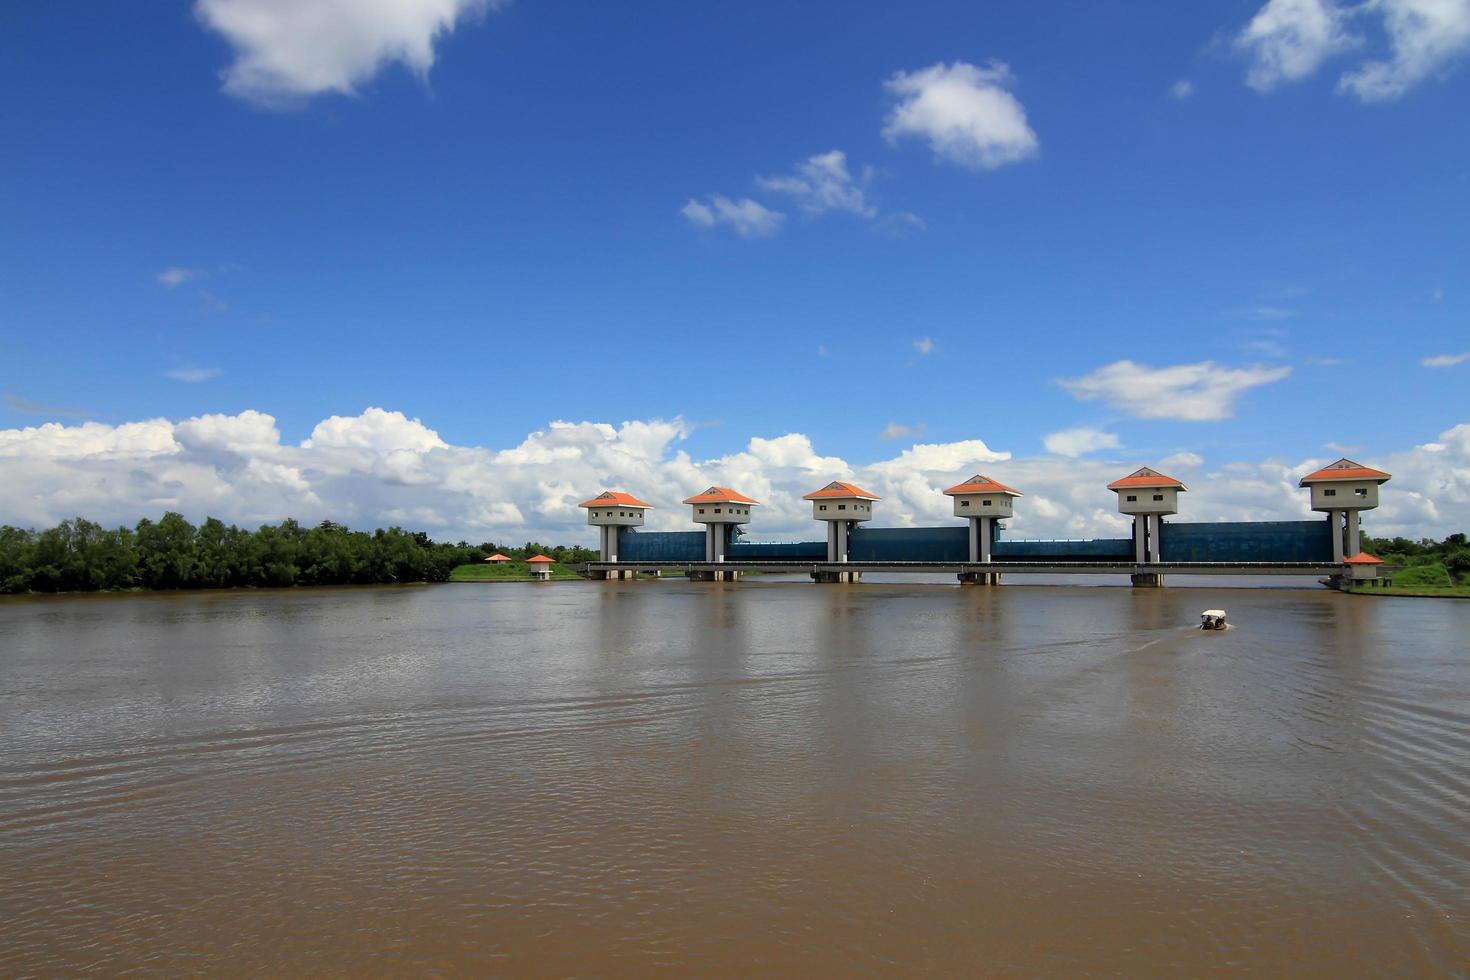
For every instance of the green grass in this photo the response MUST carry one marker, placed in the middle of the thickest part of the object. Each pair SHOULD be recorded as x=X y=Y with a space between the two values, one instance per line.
x=515 y=571
x=1423 y=591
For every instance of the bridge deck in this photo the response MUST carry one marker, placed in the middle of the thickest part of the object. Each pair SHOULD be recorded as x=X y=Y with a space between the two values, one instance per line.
x=1006 y=567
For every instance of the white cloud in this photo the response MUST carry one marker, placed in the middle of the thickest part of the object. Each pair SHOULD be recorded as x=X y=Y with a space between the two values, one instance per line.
x=823 y=183
x=897 y=430
x=287 y=50
x=176 y=275
x=967 y=114
x=925 y=346
x=1185 y=460
x=750 y=219
x=1203 y=392
x=193 y=375
x=1078 y=442
x=1424 y=37
x=1445 y=360
x=1182 y=89
x=1288 y=40
x=383 y=467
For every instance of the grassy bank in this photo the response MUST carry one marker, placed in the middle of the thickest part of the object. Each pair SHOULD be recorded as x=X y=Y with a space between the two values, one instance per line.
x=1423 y=591
x=515 y=571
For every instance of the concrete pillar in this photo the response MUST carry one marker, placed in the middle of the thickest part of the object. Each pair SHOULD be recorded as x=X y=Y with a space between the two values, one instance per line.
x=985 y=525
x=974 y=539
x=841 y=540
x=1148 y=580
x=1354 y=533
x=1140 y=537
x=1334 y=520
x=1155 y=533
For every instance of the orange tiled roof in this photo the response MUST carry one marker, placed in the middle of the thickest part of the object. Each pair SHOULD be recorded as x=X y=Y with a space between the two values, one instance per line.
x=720 y=495
x=839 y=489
x=982 y=484
x=1344 y=469
x=614 y=498
x=1363 y=558
x=540 y=560
x=1146 y=477
x=498 y=557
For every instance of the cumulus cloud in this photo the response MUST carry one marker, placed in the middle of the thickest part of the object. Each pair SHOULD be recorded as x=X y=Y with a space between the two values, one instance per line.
x=287 y=50
x=925 y=346
x=1445 y=360
x=382 y=467
x=1182 y=89
x=1078 y=442
x=1289 y=40
x=193 y=375
x=967 y=114
x=1203 y=392
x=823 y=183
x=1424 y=37
x=749 y=219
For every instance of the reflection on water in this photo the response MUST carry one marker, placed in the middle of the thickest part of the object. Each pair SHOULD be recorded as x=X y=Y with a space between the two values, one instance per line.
x=618 y=777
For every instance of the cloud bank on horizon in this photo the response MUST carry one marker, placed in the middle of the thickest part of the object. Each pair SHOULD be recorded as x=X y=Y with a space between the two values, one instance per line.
x=382 y=468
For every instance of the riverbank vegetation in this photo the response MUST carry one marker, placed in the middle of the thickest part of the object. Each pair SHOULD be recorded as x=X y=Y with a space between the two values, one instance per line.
x=170 y=553
x=508 y=571
x=1425 y=567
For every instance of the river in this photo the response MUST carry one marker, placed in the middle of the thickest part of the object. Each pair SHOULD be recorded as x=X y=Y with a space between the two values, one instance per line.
x=767 y=777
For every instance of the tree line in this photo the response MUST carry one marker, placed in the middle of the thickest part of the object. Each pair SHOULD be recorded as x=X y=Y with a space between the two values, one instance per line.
x=170 y=553
x=1453 y=553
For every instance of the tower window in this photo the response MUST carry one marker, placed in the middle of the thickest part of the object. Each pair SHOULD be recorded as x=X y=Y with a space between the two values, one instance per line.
x=987 y=503
x=1131 y=498
x=842 y=507
x=1361 y=491
x=1158 y=496
x=964 y=503
x=1329 y=492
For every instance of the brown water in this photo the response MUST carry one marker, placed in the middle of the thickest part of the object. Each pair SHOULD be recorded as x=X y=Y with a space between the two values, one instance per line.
x=627 y=778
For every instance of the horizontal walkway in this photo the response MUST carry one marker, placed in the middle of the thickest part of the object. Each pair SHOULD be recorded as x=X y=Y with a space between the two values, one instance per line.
x=967 y=568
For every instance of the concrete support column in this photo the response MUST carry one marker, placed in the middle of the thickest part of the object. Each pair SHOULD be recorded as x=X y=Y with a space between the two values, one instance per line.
x=1354 y=533
x=1140 y=537
x=1148 y=580
x=974 y=539
x=841 y=540
x=985 y=526
x=1155 y=531
x=1334 y=521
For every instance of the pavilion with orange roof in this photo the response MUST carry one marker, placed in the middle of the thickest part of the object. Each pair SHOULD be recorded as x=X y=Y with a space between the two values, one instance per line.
x=1343 y=490
x=498 y=559
x=982 y=501
x=541 y=567
x=1147 y=495
x=719 y=509
x=842 y=506
x=610 y=511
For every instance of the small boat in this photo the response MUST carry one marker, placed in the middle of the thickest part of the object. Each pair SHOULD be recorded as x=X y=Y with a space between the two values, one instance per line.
x=1212 y=619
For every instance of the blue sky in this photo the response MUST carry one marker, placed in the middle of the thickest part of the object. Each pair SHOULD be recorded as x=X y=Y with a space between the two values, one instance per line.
x=490 y=217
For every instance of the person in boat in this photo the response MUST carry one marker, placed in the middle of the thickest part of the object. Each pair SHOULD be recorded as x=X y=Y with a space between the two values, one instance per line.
x=1212 y=619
